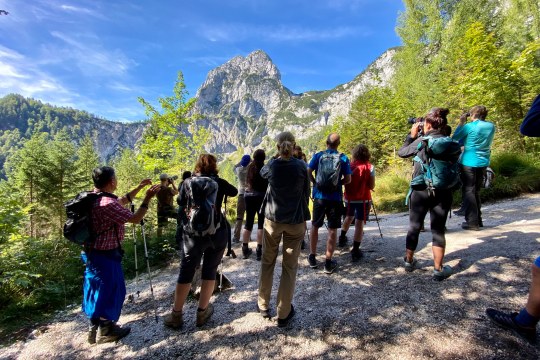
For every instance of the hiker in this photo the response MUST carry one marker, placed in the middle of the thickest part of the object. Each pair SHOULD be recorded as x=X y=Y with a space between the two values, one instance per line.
x=210 y=247
x=524 y=323
x=332 y=170
x=358 y=198
x=104 y=288
x=286 y=214
x=254 y=196
x=423 y=199
x=240 y=170
x=477 y=137
x=165 y=197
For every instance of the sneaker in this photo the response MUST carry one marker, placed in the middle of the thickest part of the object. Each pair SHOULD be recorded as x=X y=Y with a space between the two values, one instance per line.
x=174 y=320
x=459 y=212
x=246 y=251
x=264 y=313
x=356 y=255
x=259 y=253
x=330 y=266
x=466 y=226
x=342 y=241
x=312 y=261
x=442 y=274
x=92 y=332
x=236 y=240
x=287 y=320
x=409 y=266
x=507 y=321
x=204 y=316
x=110 y=332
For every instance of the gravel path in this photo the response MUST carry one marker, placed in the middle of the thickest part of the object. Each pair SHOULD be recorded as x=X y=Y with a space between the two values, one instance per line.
x=369 y=310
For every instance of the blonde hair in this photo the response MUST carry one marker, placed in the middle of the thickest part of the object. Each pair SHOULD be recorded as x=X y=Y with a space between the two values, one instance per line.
x=285 y=144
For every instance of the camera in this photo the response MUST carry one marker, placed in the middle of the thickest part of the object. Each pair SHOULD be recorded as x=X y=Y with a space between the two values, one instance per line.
x=413 y=120
x=172 y=178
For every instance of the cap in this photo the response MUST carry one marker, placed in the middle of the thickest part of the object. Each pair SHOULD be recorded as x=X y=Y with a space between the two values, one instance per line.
x=163 y=176
x=245 y=160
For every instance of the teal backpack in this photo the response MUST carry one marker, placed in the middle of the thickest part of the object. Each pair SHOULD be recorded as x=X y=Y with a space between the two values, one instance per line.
x=441 y=168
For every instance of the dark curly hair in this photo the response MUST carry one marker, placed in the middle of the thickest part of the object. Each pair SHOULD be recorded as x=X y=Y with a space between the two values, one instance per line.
x=437 y=117
x=206 y=164
x=361 y=153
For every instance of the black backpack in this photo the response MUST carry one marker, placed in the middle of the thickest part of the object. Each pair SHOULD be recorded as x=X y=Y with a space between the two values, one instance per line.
x=328 y=172
x=78 y=226
x=203 y=218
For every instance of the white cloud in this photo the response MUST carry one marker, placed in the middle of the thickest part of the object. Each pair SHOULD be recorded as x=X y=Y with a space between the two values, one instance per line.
x=90 y=56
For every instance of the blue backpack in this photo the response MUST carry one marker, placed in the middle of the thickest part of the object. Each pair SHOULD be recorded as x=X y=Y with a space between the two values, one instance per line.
x=441 y=168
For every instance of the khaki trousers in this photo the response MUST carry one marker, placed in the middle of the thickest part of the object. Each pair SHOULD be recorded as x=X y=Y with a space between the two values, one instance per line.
x=292 y=240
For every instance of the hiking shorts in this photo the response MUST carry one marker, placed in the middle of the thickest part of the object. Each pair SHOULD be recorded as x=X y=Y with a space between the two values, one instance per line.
x=360 y=211
x=331 y=209
x=537 y=262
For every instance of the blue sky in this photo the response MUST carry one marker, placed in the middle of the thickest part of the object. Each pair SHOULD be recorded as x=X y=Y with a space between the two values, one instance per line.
x=100 y=56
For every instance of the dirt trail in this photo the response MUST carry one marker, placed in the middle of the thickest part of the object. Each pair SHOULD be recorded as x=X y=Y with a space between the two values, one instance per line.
x=369 y=310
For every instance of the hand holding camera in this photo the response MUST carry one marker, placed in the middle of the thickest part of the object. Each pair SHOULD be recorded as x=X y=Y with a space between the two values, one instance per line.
x=463 y=117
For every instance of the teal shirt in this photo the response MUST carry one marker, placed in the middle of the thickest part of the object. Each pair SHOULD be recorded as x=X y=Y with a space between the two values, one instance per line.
x=477 y=137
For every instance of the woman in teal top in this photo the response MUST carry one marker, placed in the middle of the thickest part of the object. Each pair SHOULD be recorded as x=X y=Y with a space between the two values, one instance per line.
x=477 y=137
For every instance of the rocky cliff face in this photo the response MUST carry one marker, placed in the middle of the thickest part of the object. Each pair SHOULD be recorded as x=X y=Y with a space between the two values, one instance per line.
x=243 y=101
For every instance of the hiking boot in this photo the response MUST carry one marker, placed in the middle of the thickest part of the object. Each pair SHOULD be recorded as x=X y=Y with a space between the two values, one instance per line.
x=507 y=321
x=312 y=261
x=174 y=320
x=236 y=240
x=204 y=316
x=342 y=241
x=287 y=320
x=259 y=253
x=264 y=313
x=442 y=274
x=246 y=251
x=110 y=332
x=330 y=266
x=356 y=255
x=409 y=266
x=466 y=226
x=92 y=332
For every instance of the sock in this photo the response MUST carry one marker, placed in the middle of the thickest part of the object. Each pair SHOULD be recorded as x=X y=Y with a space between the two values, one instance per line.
x=94 y=322
x=525 y=319
x=244 y=245
x=200 y=310
x=259 y=246
x=343 y=233
x=328 y=261
x=356 y=245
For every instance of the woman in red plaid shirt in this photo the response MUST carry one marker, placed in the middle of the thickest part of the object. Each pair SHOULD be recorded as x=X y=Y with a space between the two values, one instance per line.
x=104 y=288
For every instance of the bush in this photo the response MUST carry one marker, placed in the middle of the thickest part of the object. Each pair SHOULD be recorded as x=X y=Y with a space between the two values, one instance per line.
x=391 y=187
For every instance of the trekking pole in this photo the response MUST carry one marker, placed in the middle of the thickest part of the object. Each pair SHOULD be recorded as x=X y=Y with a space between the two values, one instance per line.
x=230 y=251
x=376 y=219
x=220 y=287
x=135 y=249
x=148 y=267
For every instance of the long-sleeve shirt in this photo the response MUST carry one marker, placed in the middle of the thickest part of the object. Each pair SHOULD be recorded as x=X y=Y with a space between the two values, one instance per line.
x=477 y=138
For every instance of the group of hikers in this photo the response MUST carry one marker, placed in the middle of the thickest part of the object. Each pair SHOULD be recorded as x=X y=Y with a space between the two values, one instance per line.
x=278 y=192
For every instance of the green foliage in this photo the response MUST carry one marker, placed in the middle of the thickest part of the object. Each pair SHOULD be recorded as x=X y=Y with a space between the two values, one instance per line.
x=166 y=145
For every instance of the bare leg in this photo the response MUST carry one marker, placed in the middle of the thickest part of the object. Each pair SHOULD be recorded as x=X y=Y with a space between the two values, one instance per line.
x=259 y=236
x=246 y=236
x=409 y=255
x=438 y=256
x=180 y=295
x=347 y=223
x=207 y=289
x=314 y=239
x=331 y=243
x=358 y=230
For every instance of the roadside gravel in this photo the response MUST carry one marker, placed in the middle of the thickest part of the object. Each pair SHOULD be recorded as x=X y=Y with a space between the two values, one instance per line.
x=369 y=310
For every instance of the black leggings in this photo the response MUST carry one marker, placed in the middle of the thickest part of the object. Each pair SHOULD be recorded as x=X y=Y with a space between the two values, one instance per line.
x=209 y=248
x=438 y=207
x=253 y=206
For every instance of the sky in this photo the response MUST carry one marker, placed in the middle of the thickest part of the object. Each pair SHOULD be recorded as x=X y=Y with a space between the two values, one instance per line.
x=99 y=56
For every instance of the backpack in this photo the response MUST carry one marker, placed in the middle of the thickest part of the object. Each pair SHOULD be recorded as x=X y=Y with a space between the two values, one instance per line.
x=203 y=218
x=78 y=225
x=328 y=172
x=441 y=168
